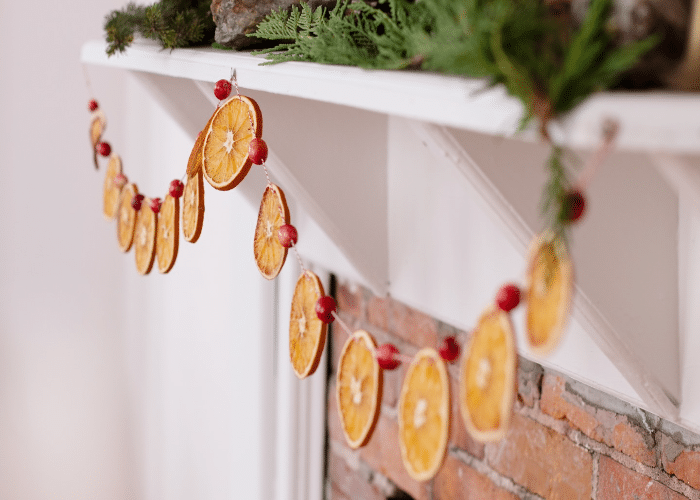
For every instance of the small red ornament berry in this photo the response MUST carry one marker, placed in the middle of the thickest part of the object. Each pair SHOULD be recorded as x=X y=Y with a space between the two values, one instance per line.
x=92 y=105
x=325 y=307
x=104 y=148
x=155 y=205
x=449 y=350
x=257 y=151
x=508 y=297
x=222 y=89
x=176 y=188
x=136 y=202
x=386 y=356
x=287 y=235
x=573 y=205
x=120 y=180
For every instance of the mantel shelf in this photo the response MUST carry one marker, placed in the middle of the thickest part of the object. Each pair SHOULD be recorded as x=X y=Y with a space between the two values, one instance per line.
x=650 y=121
x=441 y=216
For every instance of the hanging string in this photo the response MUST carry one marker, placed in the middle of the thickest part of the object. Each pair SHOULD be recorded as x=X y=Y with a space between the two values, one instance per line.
x=609 y=135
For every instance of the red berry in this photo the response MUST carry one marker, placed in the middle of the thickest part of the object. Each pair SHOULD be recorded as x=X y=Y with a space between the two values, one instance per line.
x=155 y=205
x=257 y=151
x=573 y=206
x=176 y=188
x=136 y=202
x=287 y=235
x=508 y=297
x=104 y=148
x=325 y=307
x=449 y=350
x=222 y=89
x=92 y=105
x=120 y=180
x=386 y=356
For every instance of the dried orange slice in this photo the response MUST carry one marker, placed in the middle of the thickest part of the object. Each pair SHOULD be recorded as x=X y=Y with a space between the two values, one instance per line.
x=145 y=239
x=110 y=197
x=98 y=123
x=549 y=292
x=307 y=333
x=168 y=233
x=424 y=415
x=193 y=207
x=194 y=163
x=126 y=217
x=359 y=388
x=274 y=213
x=487 y=377
x=225 y=152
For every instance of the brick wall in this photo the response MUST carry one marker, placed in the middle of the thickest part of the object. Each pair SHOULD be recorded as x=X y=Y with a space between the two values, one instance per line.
x=567 y=441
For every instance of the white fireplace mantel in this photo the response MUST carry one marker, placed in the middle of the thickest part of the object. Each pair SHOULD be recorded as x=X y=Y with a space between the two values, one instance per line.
x=414 y=185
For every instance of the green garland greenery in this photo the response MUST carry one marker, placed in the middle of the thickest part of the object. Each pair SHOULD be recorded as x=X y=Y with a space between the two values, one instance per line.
x=175 y=23
x=543 y=62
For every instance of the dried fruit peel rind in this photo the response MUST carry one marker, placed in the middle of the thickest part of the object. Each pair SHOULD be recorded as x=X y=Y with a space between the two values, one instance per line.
x=269 y=253
x=307 y=333
x=168 y=235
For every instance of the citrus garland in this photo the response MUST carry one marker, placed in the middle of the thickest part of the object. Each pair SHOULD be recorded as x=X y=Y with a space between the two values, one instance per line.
x=223 y=154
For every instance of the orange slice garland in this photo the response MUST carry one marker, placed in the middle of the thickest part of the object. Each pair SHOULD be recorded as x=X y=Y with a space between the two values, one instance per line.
x=358 y=388
x=98 y=123
x=168 y=233
x=234 y=124
x=268 y=251
x=194 y=163
x=487 y=382
x=110 y=197
x=307 y=333
x=193 y=207
x=424 y=415
x=145 y=239
x=549 y=293
x=126 y=217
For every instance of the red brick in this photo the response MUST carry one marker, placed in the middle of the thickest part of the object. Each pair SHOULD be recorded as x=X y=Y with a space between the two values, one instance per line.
x=378 y=312
x=393 y=380
x=383 y=454
x=458 y=481
x=350 y=300
x=602 y=425
x=413 y=326
x=459 y=436
x=682 y=463
x=335 y=428
x=349 y=481
x=542 y=460
x=336 y=494
x=617 y=482
x=529 y=378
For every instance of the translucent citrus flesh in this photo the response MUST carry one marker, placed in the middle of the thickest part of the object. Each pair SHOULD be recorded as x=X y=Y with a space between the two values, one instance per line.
x=167 y=241
x=145 y=239
x=126 y=217
x=269 y=252
x=110 y=198
x=307 y=333
x=548 y=295
x=424 y=415
x=358 y=388
x=225 y=154
x=193 y=207
x=487 y=377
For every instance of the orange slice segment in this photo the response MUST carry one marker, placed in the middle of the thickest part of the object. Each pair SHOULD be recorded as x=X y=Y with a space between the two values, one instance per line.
x=307 y=333
x=126 y=217
x=225 y=155
x=359 y=388
x=424 y=415
x=98 y=123
x=193 y=207
x=274 y=213
x=110 y=197
x=549 y=293
x=145 y=239
x=487 y=377
x=194 y=163
x=168 y=233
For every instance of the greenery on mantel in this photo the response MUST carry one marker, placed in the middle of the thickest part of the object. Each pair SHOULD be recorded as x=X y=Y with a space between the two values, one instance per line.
x=174 y=23
x=526 y=45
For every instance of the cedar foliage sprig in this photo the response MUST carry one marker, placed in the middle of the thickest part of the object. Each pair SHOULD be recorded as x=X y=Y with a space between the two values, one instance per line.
x=174 y=23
